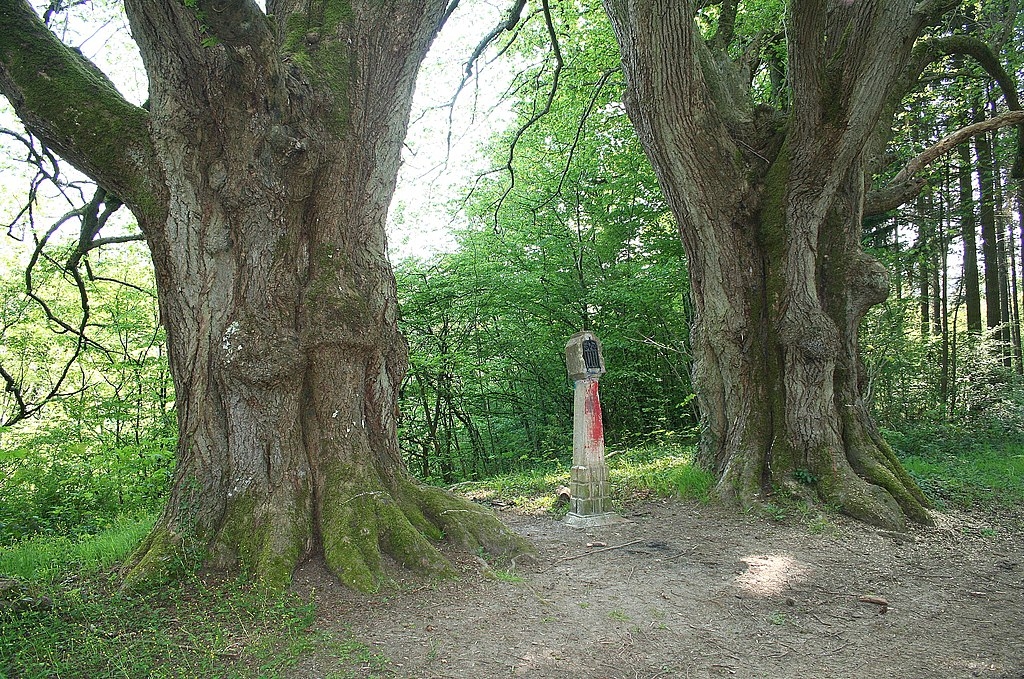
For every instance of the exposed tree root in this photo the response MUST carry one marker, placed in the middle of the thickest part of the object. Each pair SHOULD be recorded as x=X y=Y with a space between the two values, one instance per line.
x=364 y=530
x=358 y=533
x=156 y=560
x=864 y=481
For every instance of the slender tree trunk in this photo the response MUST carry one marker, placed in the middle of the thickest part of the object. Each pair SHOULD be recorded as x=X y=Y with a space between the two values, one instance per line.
x=989 y=237
x=954 y=361
x=968 y=230
x=897 y=248
x=942 y=308
x=1002 y=247
x=434 y=441
x=924 y=267
x=935 y=282
x=1020 y=215
x=1005 y=331
x=1014 y=319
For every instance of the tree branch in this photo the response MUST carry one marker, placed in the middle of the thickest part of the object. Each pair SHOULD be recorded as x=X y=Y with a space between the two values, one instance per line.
x=507 y=24
x=452 y=6
x=726 y=25
x=930 y=51
x=557 y=52
x=92 y=221
x=23 y=408
x=906 y=184
x=93 y=215
x=47 y=168
x=236 y=23
x=66 y=101
x=580 y=129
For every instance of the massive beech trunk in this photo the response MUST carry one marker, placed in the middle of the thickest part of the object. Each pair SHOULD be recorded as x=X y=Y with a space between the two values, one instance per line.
x=261 y=172
x=769 y=205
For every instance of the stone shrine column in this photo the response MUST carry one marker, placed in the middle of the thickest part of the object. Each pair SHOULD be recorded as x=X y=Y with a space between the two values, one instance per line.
x=589 y=501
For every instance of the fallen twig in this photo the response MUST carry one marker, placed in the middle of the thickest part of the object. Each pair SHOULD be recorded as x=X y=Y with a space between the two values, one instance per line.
x=603 y=549
x=876 y=600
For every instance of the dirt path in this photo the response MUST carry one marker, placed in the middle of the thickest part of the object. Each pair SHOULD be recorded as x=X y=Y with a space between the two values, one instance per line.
x=700 y=591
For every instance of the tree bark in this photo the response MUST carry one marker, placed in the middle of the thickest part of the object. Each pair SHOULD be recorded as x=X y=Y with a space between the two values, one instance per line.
x=273 y=144
x=770 y=212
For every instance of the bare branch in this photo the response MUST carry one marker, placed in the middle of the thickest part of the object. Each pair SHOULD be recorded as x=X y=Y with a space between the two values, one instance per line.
x=580 y=127
x=47 y=169
x=117 y=281
x=507 y=24
x=512 y=21
x=452 y=6
x=557 y=52
x=93 y=215
x=60 y=6
x=92 y=221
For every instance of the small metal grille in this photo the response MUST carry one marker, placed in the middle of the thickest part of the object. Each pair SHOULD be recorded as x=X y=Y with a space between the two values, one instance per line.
x=591 y=359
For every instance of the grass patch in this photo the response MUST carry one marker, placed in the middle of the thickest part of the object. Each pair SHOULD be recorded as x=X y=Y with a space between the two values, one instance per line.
x=88 y=628
x=985 y=479
x=635 y=475
x=48 y=557
x=956 y=467
x=507 y=576
x=532 y=490
x=666 y=470
x=62 y=614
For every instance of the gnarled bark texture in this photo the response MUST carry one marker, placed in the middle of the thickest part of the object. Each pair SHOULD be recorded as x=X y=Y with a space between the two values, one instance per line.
x=769 y=205
x=261 y=176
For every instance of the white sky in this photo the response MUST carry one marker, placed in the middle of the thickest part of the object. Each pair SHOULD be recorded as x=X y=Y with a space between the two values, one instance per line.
x=432 y=174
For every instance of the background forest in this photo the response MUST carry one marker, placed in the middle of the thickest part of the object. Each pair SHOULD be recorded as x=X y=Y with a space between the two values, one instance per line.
x=567 y=231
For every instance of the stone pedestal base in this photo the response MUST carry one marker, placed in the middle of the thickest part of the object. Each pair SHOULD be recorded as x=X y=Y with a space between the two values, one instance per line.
x=588 y=489
x=574 y=520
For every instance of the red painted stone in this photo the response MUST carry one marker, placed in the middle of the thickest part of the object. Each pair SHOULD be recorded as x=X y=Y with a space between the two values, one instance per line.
x=592 y=408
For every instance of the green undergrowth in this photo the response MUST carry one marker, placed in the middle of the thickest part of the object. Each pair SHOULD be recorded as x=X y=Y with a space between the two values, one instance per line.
x=45 y=558
x=635 y=475
x=957 y=469
x=64 y=614
x=88 y=628
x=982 y=481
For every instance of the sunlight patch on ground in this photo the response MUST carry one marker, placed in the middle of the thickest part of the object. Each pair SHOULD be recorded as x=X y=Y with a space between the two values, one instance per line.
x=771 y=574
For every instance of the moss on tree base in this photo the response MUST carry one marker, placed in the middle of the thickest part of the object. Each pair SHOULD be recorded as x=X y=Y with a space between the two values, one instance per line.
x=864 y=481
x=360 y=536
x=405 y=524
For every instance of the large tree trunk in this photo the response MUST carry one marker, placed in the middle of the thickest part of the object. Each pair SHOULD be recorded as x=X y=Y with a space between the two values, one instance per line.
x=770 y=217
x=279 y=302
x=261 y=174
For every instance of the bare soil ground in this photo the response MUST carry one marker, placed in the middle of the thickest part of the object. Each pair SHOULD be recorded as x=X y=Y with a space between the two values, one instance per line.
x=689 y=590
